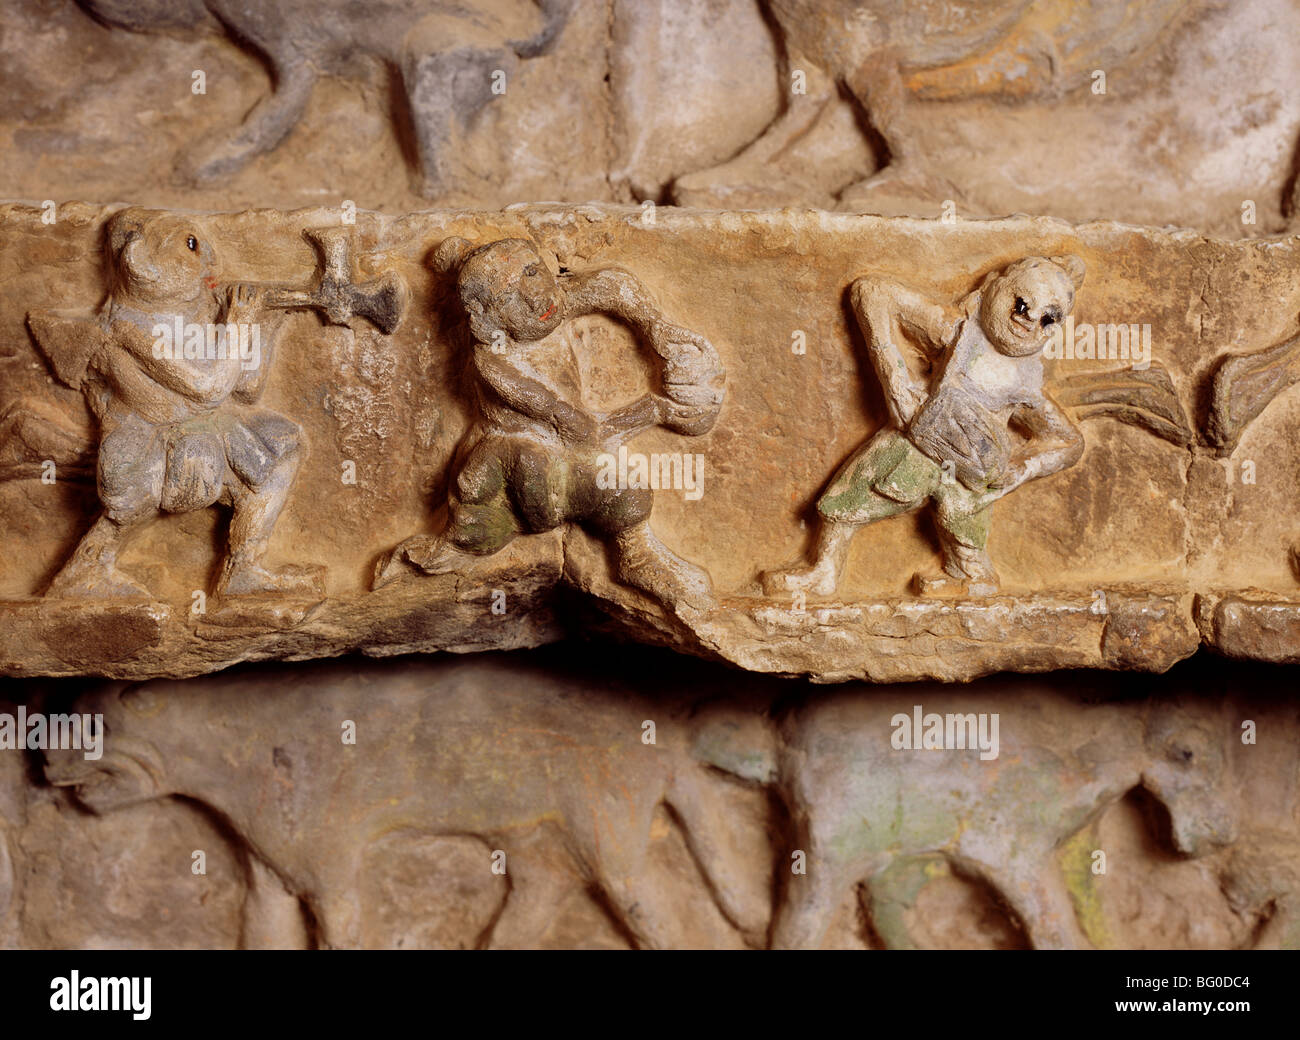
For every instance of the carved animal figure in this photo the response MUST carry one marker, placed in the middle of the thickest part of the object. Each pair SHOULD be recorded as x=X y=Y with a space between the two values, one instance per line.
x=532 y=461
x=179 y=430
x=864 y=810
x=445 y=54
x=475 y=748
x=882 y=51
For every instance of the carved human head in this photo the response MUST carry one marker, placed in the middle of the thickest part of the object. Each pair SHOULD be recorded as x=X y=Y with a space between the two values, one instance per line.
x=505 y=286
x=158 y=257
x=1023 y=303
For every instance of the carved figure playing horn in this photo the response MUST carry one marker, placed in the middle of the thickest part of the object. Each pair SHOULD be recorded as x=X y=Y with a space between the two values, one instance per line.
x=171 y=367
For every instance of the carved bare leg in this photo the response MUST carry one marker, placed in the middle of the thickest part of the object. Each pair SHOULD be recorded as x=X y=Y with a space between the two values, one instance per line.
x=92 y=568
x=822 y=576
x=251 y=523
x=967 y=568
x=269 y=123
x=474 y=530
x=644 y=562
x=431 y=554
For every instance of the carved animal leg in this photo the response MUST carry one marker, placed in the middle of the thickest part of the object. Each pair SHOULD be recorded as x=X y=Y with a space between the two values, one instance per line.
x=706 y=825
x=269 y=123
x=810 y=899
x=251 y=524
x=1035 y=891
x=745 y=170
x=444 y=86
x=878 y=87
x=7 y=885
x=536 y=889
x=338 y=919
x=92 y=569
x=822 y=576
x=891 y=893
x=272 y=916
x=647 y=564
x=1282 y=932
x=640 y=905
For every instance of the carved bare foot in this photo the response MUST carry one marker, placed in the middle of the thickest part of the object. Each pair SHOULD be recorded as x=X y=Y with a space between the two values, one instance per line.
x=427 y=553
x=945 y=586
x=820 y=579
x=646 y=563
x=251 y=579
x=103 y=581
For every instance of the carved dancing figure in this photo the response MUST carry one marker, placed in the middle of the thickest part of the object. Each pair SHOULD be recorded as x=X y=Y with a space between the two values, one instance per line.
x=530 y=463
x=948 y=443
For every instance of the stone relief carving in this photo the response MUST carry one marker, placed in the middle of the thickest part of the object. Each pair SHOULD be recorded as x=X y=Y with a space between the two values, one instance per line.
x=949 y=442
x=417 y=93
x=882 y=51
x=443 y=54
x=505 y=386
x=536 y=457
x=313 y=845
x=452 y=452
x=864 y=809
x=455 y=750
x=172 y=368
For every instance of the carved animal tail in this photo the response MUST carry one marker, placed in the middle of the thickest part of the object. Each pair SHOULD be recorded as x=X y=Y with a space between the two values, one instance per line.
x=1243 y=387
x=555 y=16
x=1146 y=399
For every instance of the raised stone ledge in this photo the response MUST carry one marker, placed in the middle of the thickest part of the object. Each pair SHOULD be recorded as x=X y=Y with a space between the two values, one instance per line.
x=749 y=334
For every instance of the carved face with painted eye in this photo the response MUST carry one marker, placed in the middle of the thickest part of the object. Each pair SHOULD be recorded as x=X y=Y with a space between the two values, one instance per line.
x=160 y=257
x=1022 y=306
x=506 y=286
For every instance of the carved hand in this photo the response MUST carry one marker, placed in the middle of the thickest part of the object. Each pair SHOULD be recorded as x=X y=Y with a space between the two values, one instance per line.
x=574 y=426
x=684 y=416
x=1011 y=477
x=244 y=301
x=632 y=418
x=692 y=371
